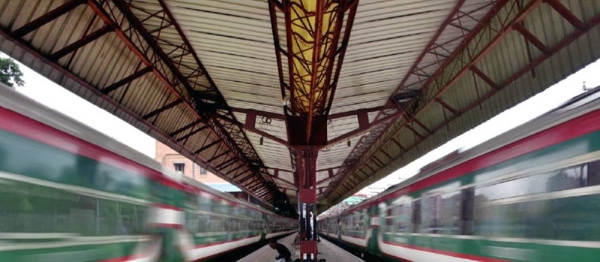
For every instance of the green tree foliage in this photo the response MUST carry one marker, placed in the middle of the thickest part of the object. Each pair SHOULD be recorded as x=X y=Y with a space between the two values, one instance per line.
x=10 y=74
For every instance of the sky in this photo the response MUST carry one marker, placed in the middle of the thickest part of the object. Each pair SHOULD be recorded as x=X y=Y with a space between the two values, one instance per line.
x=54 y=96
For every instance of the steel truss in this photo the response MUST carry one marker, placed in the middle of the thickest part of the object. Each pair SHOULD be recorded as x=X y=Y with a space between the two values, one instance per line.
x=315 y=57
x=142 y=31
x=503 y=18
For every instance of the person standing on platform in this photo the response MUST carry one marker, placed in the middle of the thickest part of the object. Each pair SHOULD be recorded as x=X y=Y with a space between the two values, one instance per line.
x=284 y=253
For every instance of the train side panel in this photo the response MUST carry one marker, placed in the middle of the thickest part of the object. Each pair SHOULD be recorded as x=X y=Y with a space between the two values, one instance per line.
x=535 y=199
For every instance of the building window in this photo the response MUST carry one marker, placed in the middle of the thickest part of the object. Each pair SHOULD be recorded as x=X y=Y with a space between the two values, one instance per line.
x=179 y=167
x=202 y=171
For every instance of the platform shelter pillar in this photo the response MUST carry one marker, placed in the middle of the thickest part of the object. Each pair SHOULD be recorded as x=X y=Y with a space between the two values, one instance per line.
x=307 y=198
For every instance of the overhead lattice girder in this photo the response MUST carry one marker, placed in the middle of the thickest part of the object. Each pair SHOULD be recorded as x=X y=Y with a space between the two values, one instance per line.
x=364 y=125
x=313 y=30
x=148 y=46
x=366 y=143
x=466 y=65
x=191 y=79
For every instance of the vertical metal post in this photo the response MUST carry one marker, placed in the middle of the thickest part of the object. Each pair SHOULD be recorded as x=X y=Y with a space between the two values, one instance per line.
x=307 y=191
x=97 y=216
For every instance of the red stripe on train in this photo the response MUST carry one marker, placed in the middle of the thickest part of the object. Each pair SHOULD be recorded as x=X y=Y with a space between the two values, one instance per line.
x=29 y=128
x=560 y=133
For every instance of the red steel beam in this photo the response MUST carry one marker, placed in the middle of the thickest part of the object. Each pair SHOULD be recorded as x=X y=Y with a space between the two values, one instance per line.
x=123 y=8
x=258 y=185
x=220 y=155
x=448 y=19
x=557 y=47
x=278 y=49
x=259 y=113
x=81 y=42
x=94 y=90
x=127 y=79
x=495 y=41
x=363 y=129
x=277 y=170
x=378 y=162
x=398 y=144
x=448 y=107
x=46 y=18
x=351 y=9
x=532 y=39
x=386 y=154
x=462 y=46
x=235 y=175
x=252 y=185
x=429 y=45
x=187 y=44
x=309 y=95
x=567 y=14
x=193 y=132
x=226 y=163
x=330 y=117
x=186 y=127
x=168 y=106
x=423 y=126
x=207 y=146
x=283 y=180
x=483 y=77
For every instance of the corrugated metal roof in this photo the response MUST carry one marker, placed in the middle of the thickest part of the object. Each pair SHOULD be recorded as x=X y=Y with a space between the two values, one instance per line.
x=507 y=60
x=226 y=50
x=150 y=101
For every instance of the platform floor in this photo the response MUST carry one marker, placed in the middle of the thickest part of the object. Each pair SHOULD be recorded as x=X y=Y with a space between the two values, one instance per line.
x=327 y=250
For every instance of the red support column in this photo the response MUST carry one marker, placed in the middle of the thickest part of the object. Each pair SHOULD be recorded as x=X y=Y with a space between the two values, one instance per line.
x=306 y=159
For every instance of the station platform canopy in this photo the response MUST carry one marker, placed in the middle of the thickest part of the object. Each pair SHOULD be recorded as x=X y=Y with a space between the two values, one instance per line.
x=252 y=89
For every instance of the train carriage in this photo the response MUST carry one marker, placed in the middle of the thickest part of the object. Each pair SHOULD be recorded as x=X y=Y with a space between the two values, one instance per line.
x=71 y=193
x=531 y=194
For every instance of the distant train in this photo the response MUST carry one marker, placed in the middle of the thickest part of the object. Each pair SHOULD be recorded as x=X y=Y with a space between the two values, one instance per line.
x=70 y=193
x=531 y=194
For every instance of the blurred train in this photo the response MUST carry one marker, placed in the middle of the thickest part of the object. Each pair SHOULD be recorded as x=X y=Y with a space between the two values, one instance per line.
x=531 y=194
x=70 y=193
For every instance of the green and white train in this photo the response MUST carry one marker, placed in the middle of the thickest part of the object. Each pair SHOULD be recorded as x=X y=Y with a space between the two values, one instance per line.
x=70 y=193
x=531 y=194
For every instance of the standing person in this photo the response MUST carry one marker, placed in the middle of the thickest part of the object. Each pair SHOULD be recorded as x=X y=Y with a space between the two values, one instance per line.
x=284 y=253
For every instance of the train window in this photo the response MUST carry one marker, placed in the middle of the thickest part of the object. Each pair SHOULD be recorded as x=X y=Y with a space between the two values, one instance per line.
x=191 y=222
x=130 y=221
x=389 y=220
x=529 y=207
x=203 y=223
x=449 y=213
x=557 y=180
x=468 y=194
x=205 y=204
x=416 y=216
x=360 y=222
x=429 y=214
x=402 y=216
x=28 y=208
x=191 y=201
x=593 y=173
